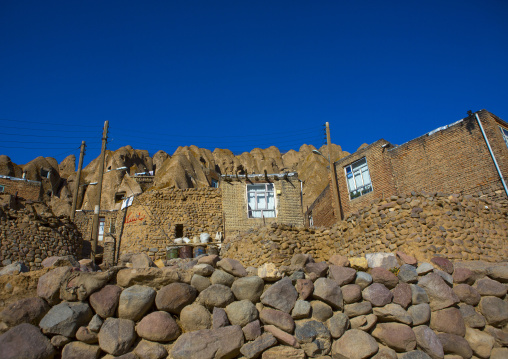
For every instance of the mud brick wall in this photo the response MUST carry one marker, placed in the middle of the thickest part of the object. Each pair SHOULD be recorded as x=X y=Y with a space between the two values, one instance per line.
x=287 y=203
x=84 y=222
x=459 y=227
x=153 y=221
x=30 y=238
x=28 y=190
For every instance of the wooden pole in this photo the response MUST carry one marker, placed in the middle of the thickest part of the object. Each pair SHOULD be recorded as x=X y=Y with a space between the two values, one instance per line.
x=95 y=227
x=76 y=189
x=333 y=177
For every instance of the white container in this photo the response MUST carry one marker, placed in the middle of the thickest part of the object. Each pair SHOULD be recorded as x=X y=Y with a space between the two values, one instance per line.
x=204 y=237
x=178 y=241
x=195 y=240
x=186 y=240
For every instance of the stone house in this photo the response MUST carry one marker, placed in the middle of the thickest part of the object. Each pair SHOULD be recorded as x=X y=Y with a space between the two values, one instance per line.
x=21 y=187
x=469 y=156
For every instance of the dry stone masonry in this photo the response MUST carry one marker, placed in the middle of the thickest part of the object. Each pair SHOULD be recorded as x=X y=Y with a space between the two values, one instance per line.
x=380 y=306
x=421 y=224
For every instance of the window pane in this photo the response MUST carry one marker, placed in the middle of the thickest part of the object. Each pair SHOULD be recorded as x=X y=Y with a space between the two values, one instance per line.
x=351 y=183
x=271 y=201
x=359 y=163
x=251 y=200
x=255 y=214
x=261 y=200
x=358 y=179
x=269 y=214
x=348 y=169
x=366 y=177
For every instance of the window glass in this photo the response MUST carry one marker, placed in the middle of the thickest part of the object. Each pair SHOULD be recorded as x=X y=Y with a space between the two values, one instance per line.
x=358 y=178
x=261 y=200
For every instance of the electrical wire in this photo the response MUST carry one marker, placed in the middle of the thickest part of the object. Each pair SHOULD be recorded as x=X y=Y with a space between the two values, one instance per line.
x=48 y=123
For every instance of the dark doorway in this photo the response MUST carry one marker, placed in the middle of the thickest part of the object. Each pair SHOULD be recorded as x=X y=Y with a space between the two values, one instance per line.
x=178 y=230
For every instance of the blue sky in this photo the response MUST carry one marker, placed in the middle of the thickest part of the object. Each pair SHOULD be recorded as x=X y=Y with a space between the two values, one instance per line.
x=243 y=74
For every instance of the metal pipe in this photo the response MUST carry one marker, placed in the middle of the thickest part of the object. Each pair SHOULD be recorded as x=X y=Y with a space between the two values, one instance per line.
x=492 y=154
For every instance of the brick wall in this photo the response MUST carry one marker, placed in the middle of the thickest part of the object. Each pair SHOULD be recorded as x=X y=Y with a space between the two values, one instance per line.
x=321 y=210
x=28 y=190
x=234 y=202
x=380 y=172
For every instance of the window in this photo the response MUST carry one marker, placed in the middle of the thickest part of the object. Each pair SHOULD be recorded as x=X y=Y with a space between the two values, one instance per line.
x=261 y=200
x=215 y=183
x=119 y=197
x=358 y=178
x=102 y=225
x=45 y=173
x=504 y=131
x=2 y=189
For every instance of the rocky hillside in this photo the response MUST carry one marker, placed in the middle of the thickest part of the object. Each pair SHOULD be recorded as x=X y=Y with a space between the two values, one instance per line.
x=186 y=168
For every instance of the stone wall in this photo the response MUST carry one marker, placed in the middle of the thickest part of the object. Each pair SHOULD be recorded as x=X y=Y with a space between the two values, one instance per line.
x=29 y=237
x=383 y=306
x=421 y=224
x=153 y=221
x=28 y=190
x=84 y=220
x=234 y=202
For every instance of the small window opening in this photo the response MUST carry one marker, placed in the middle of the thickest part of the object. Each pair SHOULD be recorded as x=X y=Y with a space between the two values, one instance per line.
x=102 y=226
x=2 y=189
x=119 y=196
x=178 y=230
x=215 y=183
x=45 y=173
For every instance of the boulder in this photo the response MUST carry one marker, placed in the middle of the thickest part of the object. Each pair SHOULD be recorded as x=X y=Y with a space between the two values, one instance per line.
x=79 y=350
x=407 y=274
x=174 y=297
x=393 y=313
x=241 y=312
x=14 y=268
x=415 y=354
x=87 y=336
x=359 y=263
x=499 y=273
x=338 y=260
x=269 y=272
x=278 y=318
x=472 y=318
x=158 y=327
x=402 y=294
x=28 y=310
x=499 y=335
x=489 y=287
x=424 y=268
x=321 y=311
x=135 y=301
x=232 y=266
x=384 y=276
x=481 y=343
x=96 y=323
x=141 y=260
x=420 y=313
x=305 y=288
x=216 y=295
x=494 y=310
x=383 y=260
x=60 y=261
x=209 y=344
x=59 y=341
x=249 y=288
x=357 y=309
x=25 y=341
x=80 y=285
x=195 y=317
x=255 y=348
x=282 y=336
x=316 y=269
x=152 y=277
x=314 y=338
x=467 y=294
x=463 y=275
x=418 y=295
x=282 y=295
x=285 y=352
x=49 y=284
x=342 y=275
x=200 y=282
x=117 y=336
x=65 y=318
x=377 y=294
x=448 y=320
x=252 y=330
x=337 y=325
x=440 y=294
x=443 y=264
x=363 y=322
x=301 y=310
x=455 y=345
x=351 y=293
x=428 y=341
x=219 y=318
x=399 y=337
x=406 y=259
x=221 y=277
x=355 y=344
x=363 y=279
x=446 y=277
x=211 y=259
x=328 y=291
x=203 y=269
x=150 y=350
x=105 y=301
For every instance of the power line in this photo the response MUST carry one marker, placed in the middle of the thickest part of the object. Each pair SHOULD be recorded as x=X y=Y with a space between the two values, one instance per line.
x=48 y=123
x=43 y=136
x=46 y=130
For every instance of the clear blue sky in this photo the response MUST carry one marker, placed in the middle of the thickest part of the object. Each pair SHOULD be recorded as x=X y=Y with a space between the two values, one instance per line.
x=243 y=74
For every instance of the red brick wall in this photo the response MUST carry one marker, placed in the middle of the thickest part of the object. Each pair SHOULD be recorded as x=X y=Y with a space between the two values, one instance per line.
x=380 y=172
x=25 y=189
x=322 y=210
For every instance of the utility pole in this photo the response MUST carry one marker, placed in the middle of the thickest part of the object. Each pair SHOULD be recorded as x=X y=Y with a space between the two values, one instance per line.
x=95 y=223
x=333 y=176
x=76 y=189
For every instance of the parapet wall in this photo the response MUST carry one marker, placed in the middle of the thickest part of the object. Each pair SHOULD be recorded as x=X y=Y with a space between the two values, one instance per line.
x=421 y=224
x=28 y=237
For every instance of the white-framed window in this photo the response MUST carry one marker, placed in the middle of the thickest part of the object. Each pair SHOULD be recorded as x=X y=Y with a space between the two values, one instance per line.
x=504 y=132
x=358 y=178
x=261 y=200
x=102 y=225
